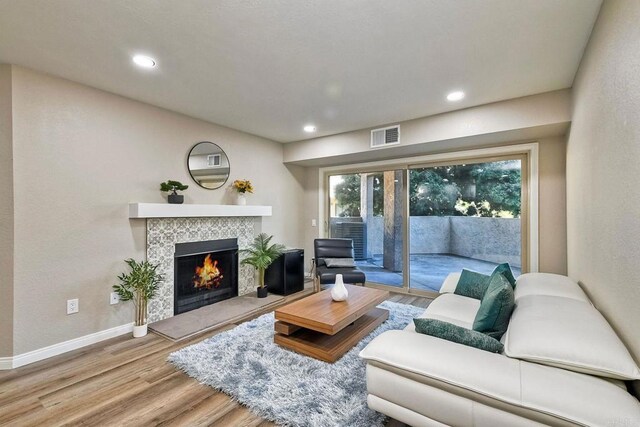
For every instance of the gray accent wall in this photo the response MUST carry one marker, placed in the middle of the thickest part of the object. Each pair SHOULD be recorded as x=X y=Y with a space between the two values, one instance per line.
x=603 y=157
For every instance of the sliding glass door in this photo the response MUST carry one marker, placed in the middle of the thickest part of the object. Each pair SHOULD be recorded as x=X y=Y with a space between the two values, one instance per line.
x=464 y=215
x=413 y=225
x=369 y=209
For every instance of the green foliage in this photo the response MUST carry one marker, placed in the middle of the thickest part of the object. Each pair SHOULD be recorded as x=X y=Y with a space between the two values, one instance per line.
x=348 y=195
x=260 y=254
x=490 y=189
x=139 y=285
x=432 y=191
x=173 y=186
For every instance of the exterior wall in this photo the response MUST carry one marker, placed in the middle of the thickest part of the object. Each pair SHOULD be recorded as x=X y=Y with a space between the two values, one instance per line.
x=6 y=214
x=603 y=226
x=488 y=239
x=80 y=156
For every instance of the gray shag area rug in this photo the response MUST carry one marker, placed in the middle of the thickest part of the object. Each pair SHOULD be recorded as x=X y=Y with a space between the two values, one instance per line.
x=283 y=386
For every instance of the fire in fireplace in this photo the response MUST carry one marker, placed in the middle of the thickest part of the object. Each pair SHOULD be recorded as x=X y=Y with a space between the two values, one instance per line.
x=205 y=272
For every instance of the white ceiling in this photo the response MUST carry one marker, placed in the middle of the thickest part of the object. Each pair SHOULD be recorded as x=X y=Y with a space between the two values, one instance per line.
x=269 y=67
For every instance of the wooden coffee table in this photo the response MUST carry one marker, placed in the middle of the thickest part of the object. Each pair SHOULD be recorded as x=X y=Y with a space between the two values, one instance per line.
x=325 y=329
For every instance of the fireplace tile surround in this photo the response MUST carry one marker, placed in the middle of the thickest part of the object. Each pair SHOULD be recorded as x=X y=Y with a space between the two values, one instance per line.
x=164 y=233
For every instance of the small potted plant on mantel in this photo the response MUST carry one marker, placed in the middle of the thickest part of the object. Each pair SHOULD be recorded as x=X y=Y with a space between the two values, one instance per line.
x=260 y=255
x=139 y=286
x=174 y=187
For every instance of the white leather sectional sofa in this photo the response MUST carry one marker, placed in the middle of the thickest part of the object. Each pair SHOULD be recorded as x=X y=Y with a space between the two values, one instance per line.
x=562 y=365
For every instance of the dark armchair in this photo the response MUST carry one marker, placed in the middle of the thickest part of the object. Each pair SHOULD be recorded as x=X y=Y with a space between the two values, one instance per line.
x=334 y=249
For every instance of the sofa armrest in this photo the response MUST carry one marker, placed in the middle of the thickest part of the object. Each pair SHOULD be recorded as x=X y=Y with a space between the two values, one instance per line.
x=450 y=283
x=575 y=397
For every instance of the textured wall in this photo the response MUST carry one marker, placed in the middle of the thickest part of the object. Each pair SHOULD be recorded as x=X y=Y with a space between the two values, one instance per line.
x=603 y=154
x=80 y=155
x=489 y=239
x=6 y=214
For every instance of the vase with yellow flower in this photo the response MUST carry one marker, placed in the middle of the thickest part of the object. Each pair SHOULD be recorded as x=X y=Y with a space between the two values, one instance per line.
x=242 y=187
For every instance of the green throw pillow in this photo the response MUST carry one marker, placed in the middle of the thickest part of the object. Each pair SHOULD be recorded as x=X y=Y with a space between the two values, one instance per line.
x=495 y=308
x=505 y=270
x=457 y=334
x=472 y=284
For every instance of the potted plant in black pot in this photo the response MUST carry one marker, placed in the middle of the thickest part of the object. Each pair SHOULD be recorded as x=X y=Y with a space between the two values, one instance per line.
x=260 y=255
x=174 y=187
x=139 y=285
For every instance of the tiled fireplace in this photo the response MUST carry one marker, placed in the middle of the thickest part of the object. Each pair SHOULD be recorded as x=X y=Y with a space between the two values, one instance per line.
x=164 y=233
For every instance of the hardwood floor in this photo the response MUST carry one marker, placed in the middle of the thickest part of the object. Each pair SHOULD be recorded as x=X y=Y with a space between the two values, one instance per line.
x=123 y=381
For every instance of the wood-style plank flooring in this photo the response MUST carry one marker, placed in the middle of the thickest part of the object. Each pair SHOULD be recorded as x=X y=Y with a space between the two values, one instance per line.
x=123 y=381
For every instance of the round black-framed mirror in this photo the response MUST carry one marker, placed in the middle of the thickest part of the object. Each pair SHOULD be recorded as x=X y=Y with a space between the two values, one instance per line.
x=208 y=165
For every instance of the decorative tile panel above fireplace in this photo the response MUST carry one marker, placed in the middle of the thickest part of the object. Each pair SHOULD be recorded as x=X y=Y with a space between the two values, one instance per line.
x=164 y=233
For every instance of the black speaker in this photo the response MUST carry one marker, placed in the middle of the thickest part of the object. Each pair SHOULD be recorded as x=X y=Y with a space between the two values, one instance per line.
x=286 y=274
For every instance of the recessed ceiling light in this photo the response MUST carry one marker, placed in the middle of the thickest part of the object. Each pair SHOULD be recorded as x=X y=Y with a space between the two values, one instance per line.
x=455 y=96
x=144 y=61
x=309 y=128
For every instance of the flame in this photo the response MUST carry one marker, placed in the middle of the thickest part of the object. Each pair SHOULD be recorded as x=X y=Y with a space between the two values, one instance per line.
x=208 y=276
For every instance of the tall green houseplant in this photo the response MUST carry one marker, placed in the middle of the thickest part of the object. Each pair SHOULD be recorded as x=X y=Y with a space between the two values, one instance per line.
x=139 y=285
x=260 y=254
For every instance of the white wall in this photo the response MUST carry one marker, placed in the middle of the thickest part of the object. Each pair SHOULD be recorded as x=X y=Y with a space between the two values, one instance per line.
x=603 y=173
x=80 y=155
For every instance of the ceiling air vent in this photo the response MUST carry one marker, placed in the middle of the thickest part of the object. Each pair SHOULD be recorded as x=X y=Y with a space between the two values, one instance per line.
x=384 y=137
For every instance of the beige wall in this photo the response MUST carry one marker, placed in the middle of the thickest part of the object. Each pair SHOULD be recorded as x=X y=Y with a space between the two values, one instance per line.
x=80 y=155
x=603 y=154
x=552 y=212
x=526 y=118
x=6 y=214
x=552 y=208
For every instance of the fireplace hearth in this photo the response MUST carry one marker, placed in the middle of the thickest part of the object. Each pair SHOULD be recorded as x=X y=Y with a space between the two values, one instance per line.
x=204 y=273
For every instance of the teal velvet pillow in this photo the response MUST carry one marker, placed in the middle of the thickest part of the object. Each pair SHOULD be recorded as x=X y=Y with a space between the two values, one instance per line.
x=472 y=284
x=457 y=334
x=505 y=270
x=495 y=308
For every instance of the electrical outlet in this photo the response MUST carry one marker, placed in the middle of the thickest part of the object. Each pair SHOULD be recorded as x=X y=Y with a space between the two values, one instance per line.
x=73 y=306
x=313 y=223
x=115 y=298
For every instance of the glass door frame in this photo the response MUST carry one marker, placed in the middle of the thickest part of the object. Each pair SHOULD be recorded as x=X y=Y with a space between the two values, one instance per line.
x=526 y=153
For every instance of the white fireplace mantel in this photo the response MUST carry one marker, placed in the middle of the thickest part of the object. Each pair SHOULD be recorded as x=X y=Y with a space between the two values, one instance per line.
x=166 y=210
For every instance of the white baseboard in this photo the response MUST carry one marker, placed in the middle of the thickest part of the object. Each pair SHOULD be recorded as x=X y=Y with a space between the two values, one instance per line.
x=6 y=363
x=63 y=347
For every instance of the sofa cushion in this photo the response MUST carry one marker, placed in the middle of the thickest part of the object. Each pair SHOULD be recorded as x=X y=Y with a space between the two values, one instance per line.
x=451 y=308
x=495 y=308
x=472 y=284
x=569 y=334
x=340 y=262
x=548 y=284
x=457 y=334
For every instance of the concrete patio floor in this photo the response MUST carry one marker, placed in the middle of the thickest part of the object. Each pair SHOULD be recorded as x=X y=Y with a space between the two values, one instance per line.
x=428 y=271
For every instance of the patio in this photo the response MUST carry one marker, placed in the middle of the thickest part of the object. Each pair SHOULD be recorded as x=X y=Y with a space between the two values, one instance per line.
x=428 y=271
